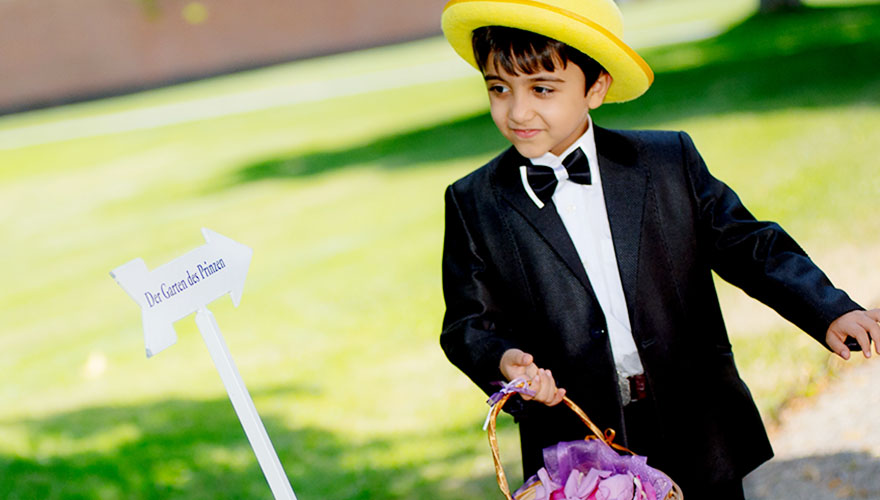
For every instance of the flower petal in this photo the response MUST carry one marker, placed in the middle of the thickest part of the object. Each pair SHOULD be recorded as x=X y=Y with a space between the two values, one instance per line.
x=616 y=487
x=547 y=486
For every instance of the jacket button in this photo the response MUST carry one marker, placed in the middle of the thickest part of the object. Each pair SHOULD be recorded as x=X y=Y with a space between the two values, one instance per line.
x=597 y=333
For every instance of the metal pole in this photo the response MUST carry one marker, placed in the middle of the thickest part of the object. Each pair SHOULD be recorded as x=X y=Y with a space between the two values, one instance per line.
x=244 y=406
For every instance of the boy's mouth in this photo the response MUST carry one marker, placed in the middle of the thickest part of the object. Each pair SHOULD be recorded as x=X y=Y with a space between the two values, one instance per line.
x=525 y=133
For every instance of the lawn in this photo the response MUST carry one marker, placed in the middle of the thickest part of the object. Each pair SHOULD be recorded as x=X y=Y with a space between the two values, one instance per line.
x=337 y=186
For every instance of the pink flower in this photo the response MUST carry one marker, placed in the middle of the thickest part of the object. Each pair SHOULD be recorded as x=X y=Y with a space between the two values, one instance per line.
x=644 y=490
x=547 y=488
x=558 y=495
x=578 y=486
x=594 y=485
x=616 y=487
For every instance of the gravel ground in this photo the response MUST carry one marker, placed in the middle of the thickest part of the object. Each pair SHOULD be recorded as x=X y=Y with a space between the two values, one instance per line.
x=828 y=447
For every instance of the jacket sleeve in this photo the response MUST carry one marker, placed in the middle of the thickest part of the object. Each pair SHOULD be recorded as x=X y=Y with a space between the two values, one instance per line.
x=760 y=257
x=474 y=336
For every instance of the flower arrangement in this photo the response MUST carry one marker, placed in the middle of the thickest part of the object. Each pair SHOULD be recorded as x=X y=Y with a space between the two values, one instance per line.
x=592 y=470
x=582 y=470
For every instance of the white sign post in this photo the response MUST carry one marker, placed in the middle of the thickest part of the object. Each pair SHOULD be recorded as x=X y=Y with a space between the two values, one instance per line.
x=186 y=285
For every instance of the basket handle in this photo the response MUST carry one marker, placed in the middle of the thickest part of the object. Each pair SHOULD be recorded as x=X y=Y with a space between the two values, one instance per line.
x=493 y=438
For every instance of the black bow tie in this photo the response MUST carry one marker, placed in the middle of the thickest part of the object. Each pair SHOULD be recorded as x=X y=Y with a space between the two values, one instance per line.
x=542 y=179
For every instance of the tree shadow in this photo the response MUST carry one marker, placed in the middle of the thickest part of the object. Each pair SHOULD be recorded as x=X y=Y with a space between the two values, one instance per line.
x=463 y=137
x=184 y=449
x=818 y=57
x=825 y=477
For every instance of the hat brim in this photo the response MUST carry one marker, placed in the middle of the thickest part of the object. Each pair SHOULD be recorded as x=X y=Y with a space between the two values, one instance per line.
x=631 y=74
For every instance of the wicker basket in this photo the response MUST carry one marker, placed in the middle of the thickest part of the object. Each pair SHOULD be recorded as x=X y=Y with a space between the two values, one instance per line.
x=529 y=493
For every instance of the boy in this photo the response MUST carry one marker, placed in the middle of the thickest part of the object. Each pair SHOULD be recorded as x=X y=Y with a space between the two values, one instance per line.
x=582 y=258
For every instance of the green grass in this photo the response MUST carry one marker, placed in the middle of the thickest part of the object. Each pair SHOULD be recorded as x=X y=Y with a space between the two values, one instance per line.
x=341 y=199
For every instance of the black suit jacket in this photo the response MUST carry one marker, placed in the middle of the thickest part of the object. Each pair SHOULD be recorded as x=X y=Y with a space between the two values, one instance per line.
x=512 y=278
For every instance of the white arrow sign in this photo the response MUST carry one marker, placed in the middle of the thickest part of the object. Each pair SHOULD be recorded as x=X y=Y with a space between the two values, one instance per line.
x=182 y=286
x=186 y=285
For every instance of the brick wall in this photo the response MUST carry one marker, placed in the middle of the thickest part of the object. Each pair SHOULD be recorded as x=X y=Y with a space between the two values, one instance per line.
x=54 y=51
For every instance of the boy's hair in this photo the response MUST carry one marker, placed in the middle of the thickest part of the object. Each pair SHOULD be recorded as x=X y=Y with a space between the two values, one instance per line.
x=516 y=50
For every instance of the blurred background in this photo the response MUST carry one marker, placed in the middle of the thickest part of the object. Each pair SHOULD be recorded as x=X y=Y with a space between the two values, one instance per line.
x=322 y=135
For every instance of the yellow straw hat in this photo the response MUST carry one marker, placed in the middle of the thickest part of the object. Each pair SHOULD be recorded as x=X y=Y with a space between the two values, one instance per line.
x=594 y=27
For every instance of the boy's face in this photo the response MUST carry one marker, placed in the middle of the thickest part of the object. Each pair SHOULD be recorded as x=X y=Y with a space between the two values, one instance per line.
x=545 y=111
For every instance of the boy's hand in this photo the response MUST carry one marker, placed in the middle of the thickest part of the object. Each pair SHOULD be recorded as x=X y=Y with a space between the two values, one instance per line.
x=860 y=325
x=516 y=363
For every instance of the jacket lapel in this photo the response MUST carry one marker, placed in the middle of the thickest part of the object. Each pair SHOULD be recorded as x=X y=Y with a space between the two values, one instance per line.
x=624 y=184
x=545 y=220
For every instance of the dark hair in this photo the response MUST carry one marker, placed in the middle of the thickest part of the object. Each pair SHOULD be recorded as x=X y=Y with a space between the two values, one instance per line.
x=516 y=50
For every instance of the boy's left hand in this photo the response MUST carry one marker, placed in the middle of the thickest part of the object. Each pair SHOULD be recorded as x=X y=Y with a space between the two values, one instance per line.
x=860 y=325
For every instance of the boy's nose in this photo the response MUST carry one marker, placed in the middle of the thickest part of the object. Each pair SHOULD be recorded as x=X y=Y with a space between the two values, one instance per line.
x=521 y=110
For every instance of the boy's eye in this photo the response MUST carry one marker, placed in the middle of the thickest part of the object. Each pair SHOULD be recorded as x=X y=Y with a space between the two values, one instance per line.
x=497 y=89
x=542 y=90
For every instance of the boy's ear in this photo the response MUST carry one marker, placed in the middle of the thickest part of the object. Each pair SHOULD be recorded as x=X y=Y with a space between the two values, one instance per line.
x=596 y=93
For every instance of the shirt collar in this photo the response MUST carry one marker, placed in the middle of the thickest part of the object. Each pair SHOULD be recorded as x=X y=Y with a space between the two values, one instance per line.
x=587 y=143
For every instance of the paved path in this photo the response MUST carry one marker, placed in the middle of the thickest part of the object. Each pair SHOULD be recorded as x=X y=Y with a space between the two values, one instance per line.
x=829 y=447
x=238 y=102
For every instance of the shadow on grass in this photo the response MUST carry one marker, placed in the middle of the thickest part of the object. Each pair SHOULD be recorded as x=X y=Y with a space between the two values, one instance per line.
x=180 y=449
x=818 y=57
x=447 y=141
x=815 y=58
x=194 y=450
x=822 y=477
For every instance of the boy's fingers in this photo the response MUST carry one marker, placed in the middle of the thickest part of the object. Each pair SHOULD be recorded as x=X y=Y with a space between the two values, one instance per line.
x=516 y=363
x=544 y=388
x=557 y=398
x=837 y=345
x=507 y=358
x=874 y=327
x=874 y=334
x=547 y=391
x=535 y=387
x=512 y=356
x=527 y=361
x=862 y=326
x=864 y=341
x=540 y=387
x=867 y=329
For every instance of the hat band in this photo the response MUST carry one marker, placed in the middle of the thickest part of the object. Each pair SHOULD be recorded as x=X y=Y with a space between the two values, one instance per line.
x=574 y=17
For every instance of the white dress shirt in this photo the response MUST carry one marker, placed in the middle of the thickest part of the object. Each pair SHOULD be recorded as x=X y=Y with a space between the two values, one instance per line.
x=582 y=210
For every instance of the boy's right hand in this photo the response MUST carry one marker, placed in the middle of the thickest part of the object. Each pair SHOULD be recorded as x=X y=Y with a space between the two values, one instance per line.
x=516 y=363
